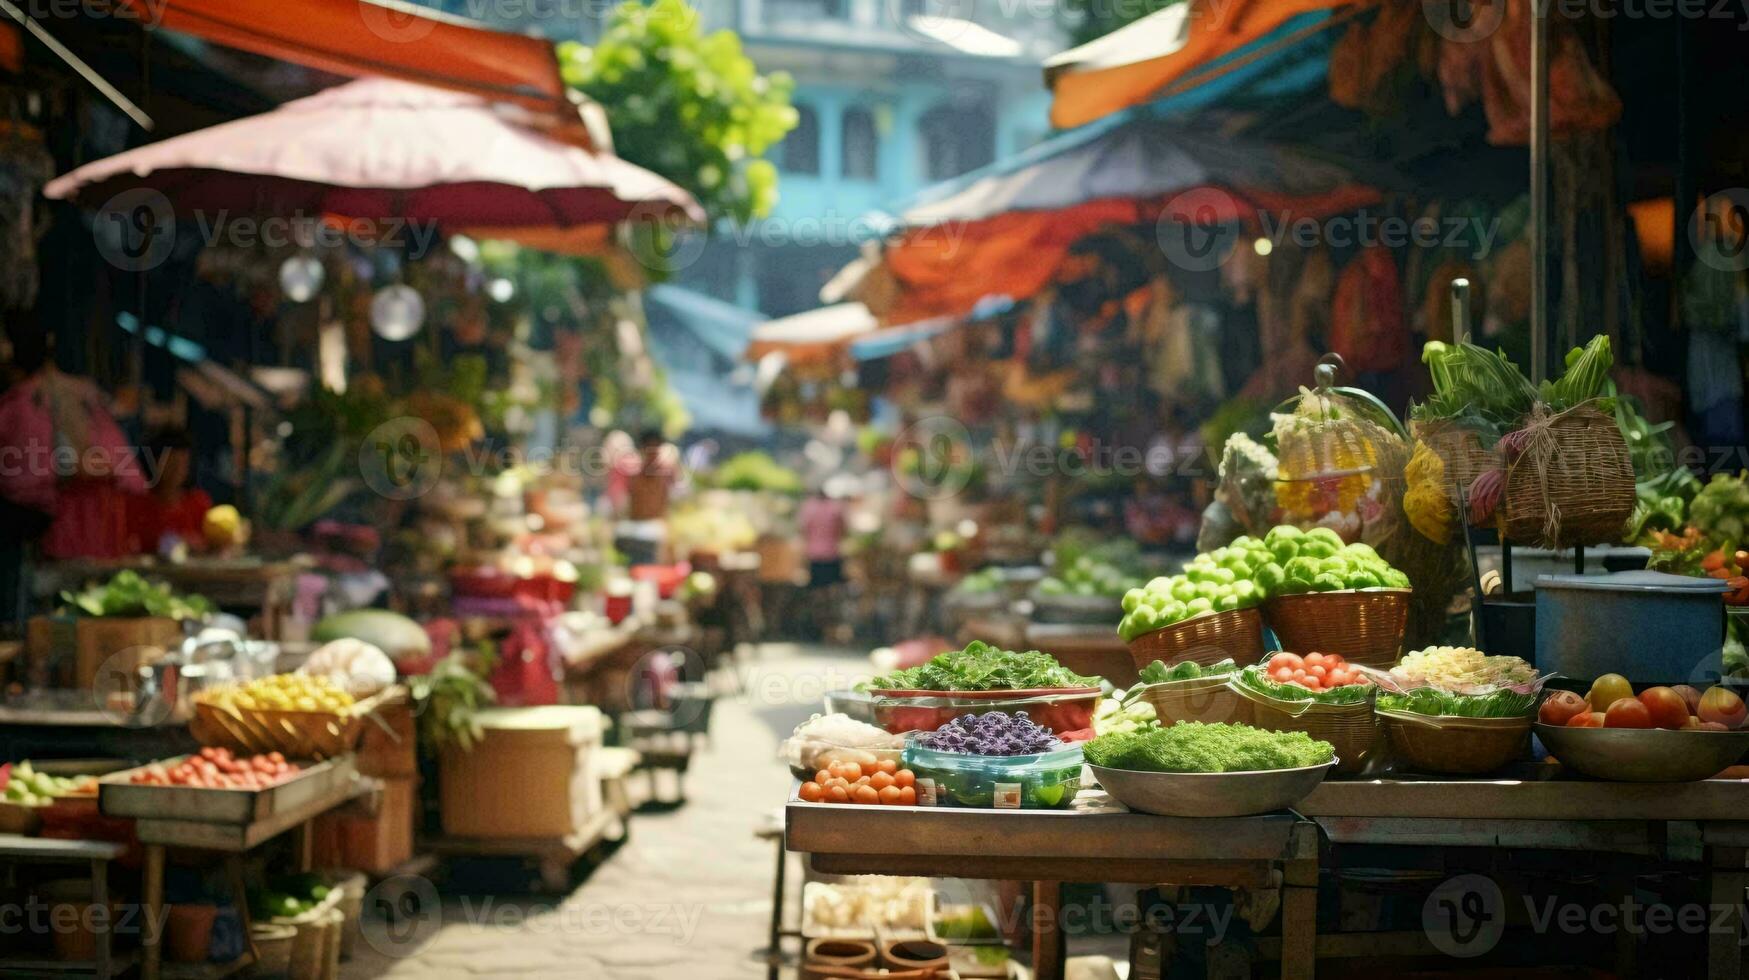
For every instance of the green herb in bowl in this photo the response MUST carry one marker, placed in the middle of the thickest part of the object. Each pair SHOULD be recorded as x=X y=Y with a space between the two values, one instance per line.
x=1207 y=748
x=982 y=667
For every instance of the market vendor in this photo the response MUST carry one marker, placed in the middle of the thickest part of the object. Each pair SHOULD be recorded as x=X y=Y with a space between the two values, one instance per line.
x=170 y=512
x=639 y=490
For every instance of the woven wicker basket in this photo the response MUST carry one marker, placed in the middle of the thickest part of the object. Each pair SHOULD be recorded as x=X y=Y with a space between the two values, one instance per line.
x=1236 y=634
x=1588 y=479
x=1204 y=699
x=1365 y=626
x=1459 y=746
x=1351 y=728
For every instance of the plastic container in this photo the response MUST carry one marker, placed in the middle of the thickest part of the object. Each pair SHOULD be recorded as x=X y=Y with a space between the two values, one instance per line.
x=807 y=755
x=1062 y=709
x=1045 y=781
x=1650 y=627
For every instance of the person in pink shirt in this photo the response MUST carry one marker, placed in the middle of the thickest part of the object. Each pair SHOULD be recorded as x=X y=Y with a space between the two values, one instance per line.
x=62 y=455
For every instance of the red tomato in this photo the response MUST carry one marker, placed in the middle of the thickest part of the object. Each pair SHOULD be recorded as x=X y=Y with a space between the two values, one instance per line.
x=1667 y=708
x=1282 y=674
x=1586 y=719
x=1314 y=660
x=1722 y=706
x=1318 y=671
x=1560 y=707
x=1627 y=713
x=1290 y=659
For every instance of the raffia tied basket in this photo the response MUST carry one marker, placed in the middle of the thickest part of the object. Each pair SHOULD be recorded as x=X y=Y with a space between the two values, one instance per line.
x=1365 y=626
x=1351 y=728
x=1206 y=699
x=1236 y=634
x=1586 y=477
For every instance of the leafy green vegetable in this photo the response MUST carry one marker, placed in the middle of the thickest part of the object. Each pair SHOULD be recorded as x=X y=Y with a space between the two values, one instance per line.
x=1585 y=378
x=131 y=594
x=1254 y=678
x=1479 y=388
x=1185 y=670
x=448 y=700
x=1196 y=747
x=1721 y=509
x=982 y=667
x=1432 y=701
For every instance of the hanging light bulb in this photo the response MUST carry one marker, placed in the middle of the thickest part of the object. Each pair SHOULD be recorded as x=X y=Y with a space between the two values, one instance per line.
x=397 y=312
x=300 y=277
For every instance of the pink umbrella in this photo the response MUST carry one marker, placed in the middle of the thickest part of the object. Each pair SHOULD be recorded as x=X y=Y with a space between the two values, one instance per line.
x=381 y=148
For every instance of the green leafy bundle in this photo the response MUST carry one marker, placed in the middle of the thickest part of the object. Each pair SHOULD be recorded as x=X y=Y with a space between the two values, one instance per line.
x=982 y=667
x=1432 y=701
x=1586 y=376
x=131 y=594
x=1476 y=387
x=1196 y=747
x=1185 y=670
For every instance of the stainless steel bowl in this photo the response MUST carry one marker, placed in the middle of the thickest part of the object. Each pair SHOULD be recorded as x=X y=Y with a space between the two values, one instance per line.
x=1643 y=755
x=1211 y=794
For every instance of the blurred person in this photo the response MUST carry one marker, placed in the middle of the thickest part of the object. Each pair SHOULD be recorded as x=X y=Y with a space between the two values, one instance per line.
x=823 y=523
x=62 y=455
x=170 y=512
x=639 y=489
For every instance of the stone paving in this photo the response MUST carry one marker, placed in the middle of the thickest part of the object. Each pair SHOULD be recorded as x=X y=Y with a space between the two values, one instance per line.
x=688 y=895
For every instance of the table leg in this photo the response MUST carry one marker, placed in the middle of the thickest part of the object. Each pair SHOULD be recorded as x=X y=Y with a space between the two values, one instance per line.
x=151 y=936
x=240 y=895
x=1299 y=907
x=304 y=855
x=1726 y=876
x=774 y=944
x=1047 y=930
x=105 y=927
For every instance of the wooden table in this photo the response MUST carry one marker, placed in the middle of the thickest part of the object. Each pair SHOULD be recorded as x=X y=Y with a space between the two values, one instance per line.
x=1704 y=822
x=96 y=855
x=232 y=840
x=1096 y=842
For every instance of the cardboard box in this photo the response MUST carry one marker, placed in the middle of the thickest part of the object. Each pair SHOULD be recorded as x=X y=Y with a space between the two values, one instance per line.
x=531 y=776
x=73 y=650
x=389 y=749
x=375 y=843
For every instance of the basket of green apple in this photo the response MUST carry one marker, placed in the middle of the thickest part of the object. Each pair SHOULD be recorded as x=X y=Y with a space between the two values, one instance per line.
x=1207 y=614
x=1335 y=597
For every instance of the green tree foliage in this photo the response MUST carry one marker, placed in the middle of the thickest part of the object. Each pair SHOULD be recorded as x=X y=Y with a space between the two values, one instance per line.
x=689 y=106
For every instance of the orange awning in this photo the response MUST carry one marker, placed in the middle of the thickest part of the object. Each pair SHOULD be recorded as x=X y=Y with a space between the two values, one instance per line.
x=362 y=38
x=1137 y=63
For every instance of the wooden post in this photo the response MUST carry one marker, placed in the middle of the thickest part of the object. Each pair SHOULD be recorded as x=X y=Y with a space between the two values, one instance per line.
x=1047 y=930
x=1299 y=905
x=151 y=936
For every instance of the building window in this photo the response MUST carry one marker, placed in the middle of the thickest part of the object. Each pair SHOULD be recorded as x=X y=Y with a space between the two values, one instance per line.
x=861 y=147
x=801 y=146
x=957 y=139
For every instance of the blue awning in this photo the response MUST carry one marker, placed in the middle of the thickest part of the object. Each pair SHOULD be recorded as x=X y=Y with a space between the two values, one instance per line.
x=698 y=341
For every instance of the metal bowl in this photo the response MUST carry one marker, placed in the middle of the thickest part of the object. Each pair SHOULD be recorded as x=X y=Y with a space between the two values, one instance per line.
x=1211 y=794
x=1643 y=755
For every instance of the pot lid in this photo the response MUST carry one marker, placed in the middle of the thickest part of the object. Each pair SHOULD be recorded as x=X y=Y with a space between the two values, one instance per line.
x=1635 y=581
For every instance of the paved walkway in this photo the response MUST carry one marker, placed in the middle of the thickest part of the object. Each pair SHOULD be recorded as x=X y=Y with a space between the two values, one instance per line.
x=687 y=896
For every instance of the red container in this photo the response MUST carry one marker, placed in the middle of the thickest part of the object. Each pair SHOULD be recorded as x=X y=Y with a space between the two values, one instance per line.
x=617 y=608
x=1061 y=709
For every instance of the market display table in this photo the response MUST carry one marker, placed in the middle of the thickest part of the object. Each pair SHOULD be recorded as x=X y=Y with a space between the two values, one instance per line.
x=96 y=856
x=184 y=822
x=1096 y=841
x=1704 y=822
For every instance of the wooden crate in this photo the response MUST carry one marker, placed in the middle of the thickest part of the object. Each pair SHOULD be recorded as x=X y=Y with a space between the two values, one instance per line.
x=117 y=797
x=373 y=840
x=73 y=650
